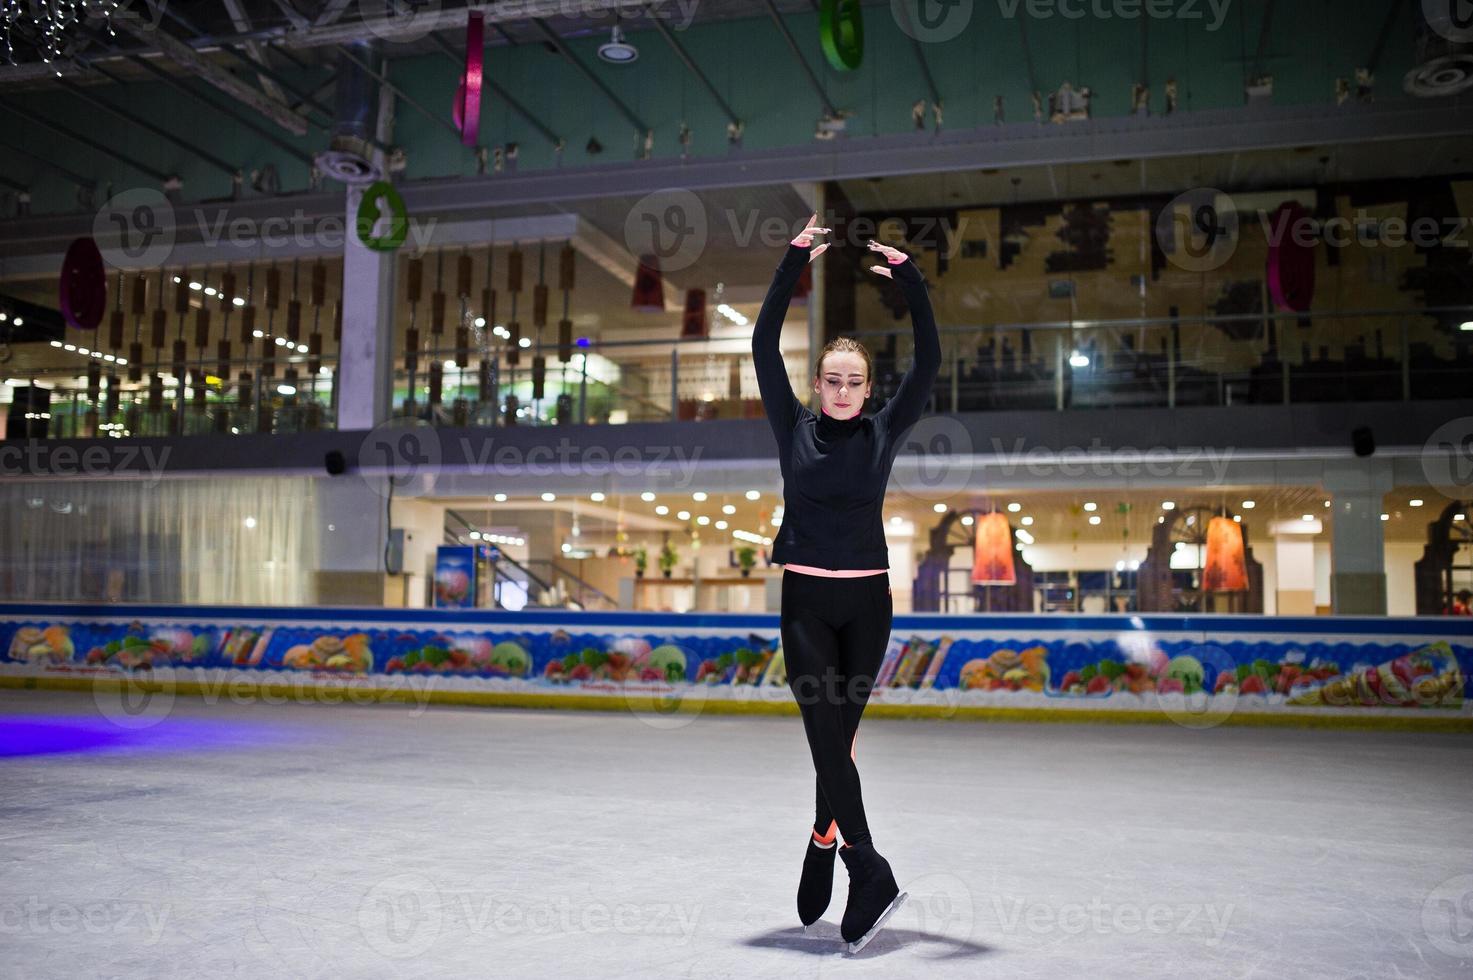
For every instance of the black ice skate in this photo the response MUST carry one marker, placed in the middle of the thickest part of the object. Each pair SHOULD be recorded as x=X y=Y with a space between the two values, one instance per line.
x=873 y=895
x=816 y=886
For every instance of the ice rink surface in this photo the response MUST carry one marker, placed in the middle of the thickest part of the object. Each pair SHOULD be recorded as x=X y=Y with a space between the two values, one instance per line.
x=306 y=840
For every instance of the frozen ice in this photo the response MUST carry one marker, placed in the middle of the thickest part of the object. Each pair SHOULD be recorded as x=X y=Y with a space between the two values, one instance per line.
x=229 y=837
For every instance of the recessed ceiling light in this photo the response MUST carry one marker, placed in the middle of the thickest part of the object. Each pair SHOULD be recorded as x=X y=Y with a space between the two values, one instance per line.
x=647 y=496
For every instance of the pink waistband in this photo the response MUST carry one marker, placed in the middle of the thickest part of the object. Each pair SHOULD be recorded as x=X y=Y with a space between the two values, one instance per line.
x=836 y=572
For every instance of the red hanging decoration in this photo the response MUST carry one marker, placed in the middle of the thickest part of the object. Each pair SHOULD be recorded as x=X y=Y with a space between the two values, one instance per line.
x=693 y=323
x=467 y=109
x=992 y=556
x=1226 y=568
x=83 y=287
x=803 y=287
x=1290 y=259
x=649 y=292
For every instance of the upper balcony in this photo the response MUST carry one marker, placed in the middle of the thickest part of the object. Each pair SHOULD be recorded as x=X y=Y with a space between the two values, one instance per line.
x=1344 y=292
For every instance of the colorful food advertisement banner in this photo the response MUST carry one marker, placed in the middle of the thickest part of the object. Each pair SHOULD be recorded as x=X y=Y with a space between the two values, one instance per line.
x=985 y=660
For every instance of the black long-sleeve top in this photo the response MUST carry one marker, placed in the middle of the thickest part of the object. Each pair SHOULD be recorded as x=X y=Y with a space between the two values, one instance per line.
x=835 y=470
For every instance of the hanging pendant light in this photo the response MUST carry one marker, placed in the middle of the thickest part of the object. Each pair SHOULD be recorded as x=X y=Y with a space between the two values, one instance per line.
x=1225 y=568
x=992 y=558
x=617 y=51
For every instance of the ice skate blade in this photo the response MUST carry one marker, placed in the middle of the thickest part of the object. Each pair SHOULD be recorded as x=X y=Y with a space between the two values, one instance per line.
x=863 y=940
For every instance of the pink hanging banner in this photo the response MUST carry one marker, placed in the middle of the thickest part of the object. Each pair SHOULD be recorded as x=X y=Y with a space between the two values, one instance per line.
x=1291 y=258
x=467 y=109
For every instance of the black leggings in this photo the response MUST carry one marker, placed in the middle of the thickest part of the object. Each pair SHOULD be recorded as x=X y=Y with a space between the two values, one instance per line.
x=835 y=632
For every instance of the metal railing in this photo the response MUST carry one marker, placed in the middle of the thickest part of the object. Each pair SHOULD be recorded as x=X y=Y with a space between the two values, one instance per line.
x=1166 y=362
x=160 y=405
x=1233 y=359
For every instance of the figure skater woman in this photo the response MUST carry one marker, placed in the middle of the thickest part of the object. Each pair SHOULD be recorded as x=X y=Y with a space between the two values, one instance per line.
x=836 y=602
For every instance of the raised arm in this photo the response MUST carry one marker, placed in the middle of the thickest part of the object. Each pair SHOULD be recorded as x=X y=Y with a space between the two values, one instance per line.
x=778 y=400
x=904 y=409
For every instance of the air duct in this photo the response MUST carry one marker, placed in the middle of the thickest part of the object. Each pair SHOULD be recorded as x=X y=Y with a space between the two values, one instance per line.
x=350 y=154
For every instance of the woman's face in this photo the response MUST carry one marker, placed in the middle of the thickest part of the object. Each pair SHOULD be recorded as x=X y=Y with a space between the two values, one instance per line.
x=842 y=384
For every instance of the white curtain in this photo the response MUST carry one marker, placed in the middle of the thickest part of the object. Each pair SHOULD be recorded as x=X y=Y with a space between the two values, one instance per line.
x=223 y=539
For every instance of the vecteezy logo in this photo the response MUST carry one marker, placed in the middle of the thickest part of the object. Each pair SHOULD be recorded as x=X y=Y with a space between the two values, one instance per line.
x=400 y=916
x=934 y=459
x=135 y=229
x=1453 y=19
x=404 y=451
x=1447 y=457
x=1196 y=232
x=1447 y=916
x=668 y=224
x=133 y=702
x=932 y=21
x=666 y=709
x=1182 y=694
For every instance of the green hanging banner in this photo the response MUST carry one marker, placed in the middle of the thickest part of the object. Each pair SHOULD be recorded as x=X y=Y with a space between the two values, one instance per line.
x=382 y=202
x=841 y=29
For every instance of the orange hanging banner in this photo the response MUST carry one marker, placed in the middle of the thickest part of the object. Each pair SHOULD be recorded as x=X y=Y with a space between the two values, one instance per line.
x=1226 y=568
x=992 y=559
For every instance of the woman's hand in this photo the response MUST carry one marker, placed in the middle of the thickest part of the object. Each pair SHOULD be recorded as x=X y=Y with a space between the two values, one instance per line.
x=805 y=237
x=892 y=255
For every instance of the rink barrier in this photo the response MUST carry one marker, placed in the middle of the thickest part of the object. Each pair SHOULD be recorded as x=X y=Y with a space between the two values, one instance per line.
x=654 y=706
x=1342 y=672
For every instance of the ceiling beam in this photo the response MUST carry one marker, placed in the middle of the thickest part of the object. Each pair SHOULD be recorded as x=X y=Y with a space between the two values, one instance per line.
x=1393 y=10
x=84 y=183
x=86 y=141
x=441 y=18
x=257 y=51
x=782 y=27
x=181 y=53
x=695 y=70
x=191 y=147
x=179 y=85
x=909 y=26
x=572 y=59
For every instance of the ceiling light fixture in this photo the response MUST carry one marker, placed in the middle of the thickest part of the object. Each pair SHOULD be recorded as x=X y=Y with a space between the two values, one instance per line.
x=617 y=51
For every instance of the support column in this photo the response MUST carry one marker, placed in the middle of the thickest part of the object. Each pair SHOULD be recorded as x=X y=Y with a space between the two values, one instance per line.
x=1294 y=572
x=1357 y=491
x=364 y=378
